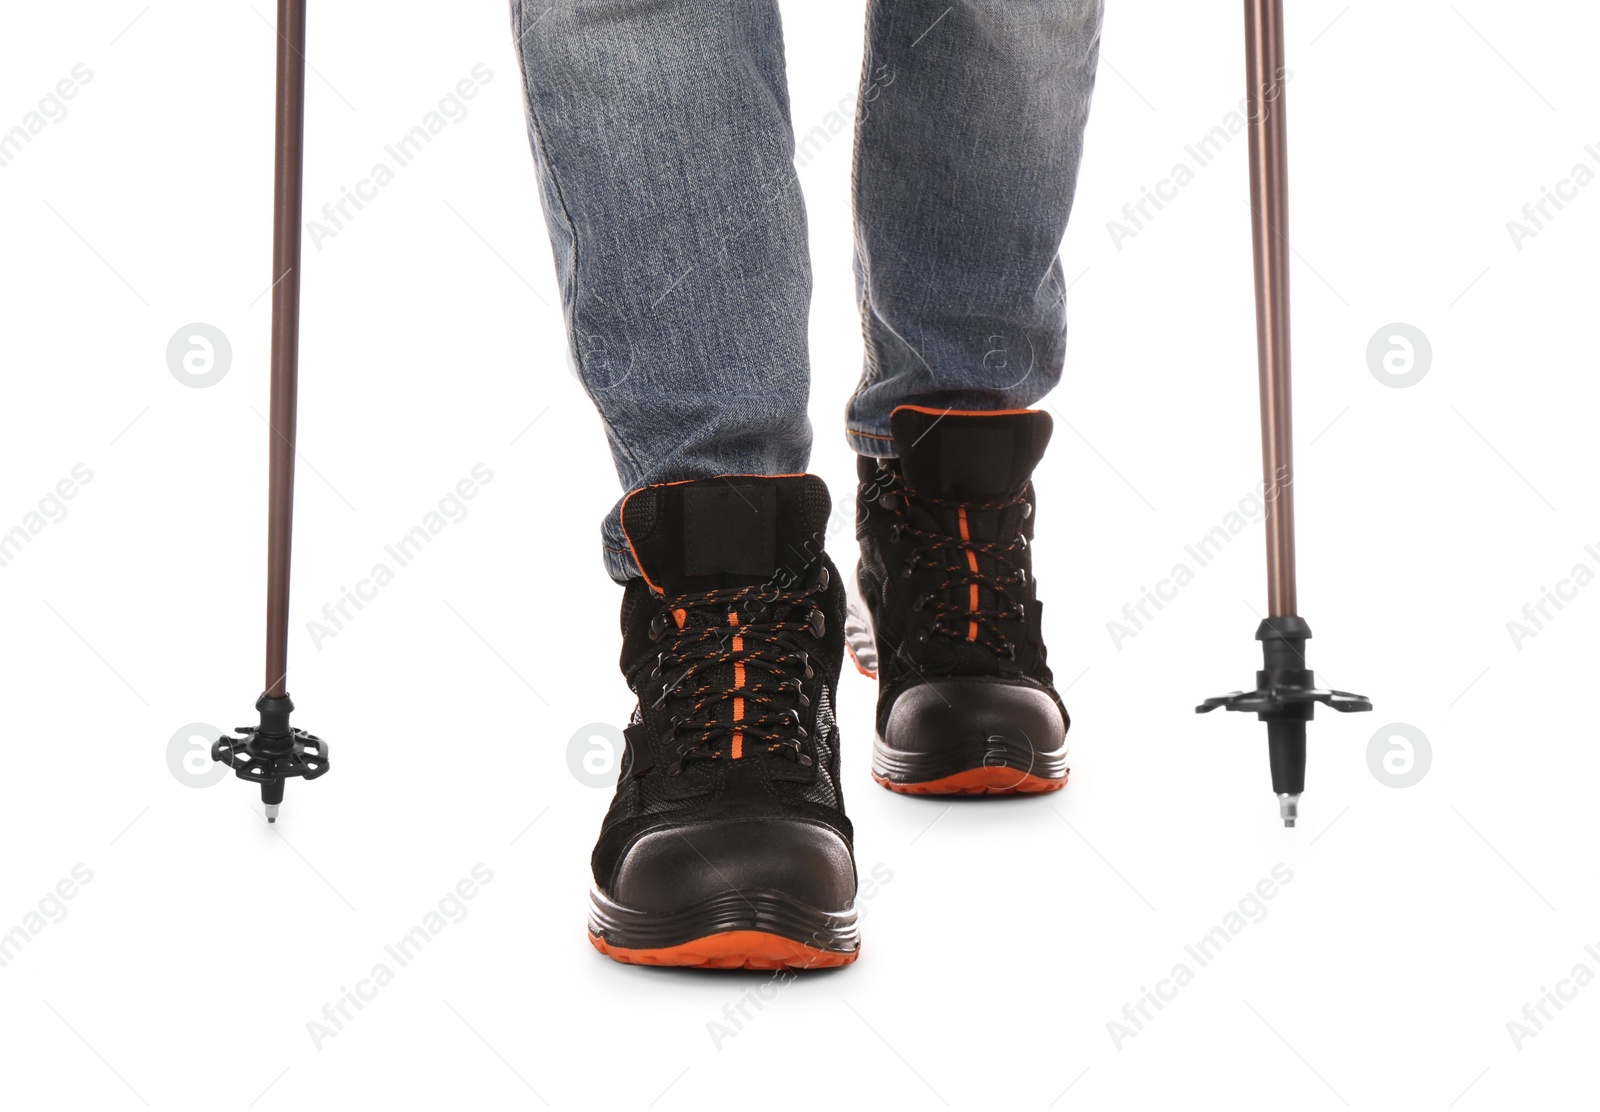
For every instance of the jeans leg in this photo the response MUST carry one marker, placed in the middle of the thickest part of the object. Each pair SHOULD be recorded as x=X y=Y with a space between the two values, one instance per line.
x=661 y=134
x=969 y=131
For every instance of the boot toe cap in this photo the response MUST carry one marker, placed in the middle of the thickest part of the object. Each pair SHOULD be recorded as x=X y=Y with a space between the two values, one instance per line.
x=666 y=870
x=946 y=726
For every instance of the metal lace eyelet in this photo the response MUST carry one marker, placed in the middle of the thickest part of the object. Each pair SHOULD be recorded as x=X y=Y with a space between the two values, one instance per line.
x=1027 y=510
x=658 y=626
x=793 y=684
x=824 y=579
x=819 y=623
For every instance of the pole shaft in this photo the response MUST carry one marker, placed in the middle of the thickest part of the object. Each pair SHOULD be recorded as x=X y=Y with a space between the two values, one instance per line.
x=1269 y=227
x=288 y=160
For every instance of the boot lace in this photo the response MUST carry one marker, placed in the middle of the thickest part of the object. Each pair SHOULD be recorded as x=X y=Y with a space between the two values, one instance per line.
x=967 y=583
x=759 y=636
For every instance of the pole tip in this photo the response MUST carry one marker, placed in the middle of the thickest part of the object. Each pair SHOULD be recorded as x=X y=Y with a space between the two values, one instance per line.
x=1289 y=807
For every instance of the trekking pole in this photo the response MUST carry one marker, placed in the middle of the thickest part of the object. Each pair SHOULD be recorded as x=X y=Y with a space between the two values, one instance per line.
x=274 y=752
x=1285 y=695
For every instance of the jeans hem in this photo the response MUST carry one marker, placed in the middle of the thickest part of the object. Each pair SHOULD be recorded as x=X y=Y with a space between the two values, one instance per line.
x=620 y=565
x=874 y=444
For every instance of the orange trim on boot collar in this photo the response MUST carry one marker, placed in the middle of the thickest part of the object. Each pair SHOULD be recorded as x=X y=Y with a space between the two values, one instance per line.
x=962 y=412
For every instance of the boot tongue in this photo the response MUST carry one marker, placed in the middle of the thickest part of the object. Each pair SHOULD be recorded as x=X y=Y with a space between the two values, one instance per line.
x=968 y=456
x=732 y=531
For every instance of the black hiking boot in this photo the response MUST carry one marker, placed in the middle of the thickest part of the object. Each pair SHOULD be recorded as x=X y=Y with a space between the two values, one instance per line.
x=949 y=624
x=727 y=845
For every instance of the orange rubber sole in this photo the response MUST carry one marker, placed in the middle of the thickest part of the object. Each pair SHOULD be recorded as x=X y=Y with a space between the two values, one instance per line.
x=731 y=950
x=978 y=781
x=870 y=673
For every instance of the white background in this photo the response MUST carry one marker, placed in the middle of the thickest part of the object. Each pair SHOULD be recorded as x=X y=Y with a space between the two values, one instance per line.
x=1419 y=920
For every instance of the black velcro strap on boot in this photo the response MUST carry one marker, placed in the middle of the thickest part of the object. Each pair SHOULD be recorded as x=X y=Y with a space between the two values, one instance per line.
x=976 y=458
x=964 y=454
x=733 y=531
x=730 y=529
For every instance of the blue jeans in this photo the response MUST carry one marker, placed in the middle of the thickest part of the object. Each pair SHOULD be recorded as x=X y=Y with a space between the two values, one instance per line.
x=666 y=162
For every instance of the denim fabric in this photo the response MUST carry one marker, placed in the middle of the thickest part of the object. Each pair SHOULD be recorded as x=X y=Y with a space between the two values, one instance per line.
x=661 y=132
